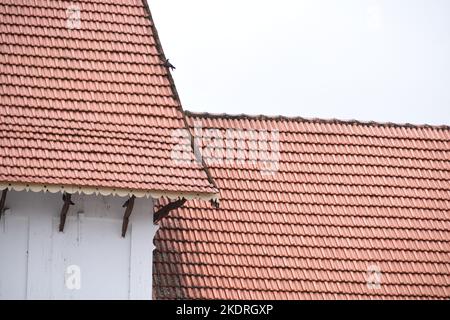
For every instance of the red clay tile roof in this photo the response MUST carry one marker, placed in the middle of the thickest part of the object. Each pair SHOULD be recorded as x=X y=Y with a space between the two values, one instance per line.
x=92 y=106
x=349 y=200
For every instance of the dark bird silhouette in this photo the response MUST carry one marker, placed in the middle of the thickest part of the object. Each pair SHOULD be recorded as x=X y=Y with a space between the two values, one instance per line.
x=167 y=64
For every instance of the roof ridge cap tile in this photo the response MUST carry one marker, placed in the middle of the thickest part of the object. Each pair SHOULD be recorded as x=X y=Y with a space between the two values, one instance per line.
x=244 y=116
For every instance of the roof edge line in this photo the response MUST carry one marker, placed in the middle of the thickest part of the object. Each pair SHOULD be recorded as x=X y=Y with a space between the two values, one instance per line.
x=72 y=189
x=160 y=49
x=314 y=120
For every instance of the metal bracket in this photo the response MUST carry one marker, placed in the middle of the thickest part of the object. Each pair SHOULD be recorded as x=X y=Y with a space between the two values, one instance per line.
x=67 y=203
x=129 y=204
x=215 y=203
x=2 y=202
x=164 y=211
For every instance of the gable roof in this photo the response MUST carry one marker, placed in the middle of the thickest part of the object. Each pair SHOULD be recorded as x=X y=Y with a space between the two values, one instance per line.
x=349 y=201
x=87 y=104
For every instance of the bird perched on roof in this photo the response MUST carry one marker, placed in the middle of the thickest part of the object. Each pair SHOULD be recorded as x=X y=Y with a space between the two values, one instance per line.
x=167 y=64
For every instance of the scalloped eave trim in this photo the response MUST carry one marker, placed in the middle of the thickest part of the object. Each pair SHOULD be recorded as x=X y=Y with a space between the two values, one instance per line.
x=106 y=191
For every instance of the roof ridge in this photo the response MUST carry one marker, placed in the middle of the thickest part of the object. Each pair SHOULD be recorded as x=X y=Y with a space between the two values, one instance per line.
x=313 y=120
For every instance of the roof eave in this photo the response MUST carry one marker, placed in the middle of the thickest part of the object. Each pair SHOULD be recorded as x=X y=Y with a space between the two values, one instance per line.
x=104 y=191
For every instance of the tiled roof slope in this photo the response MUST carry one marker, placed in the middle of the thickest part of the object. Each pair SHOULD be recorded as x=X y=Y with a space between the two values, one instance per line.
x=349 y=200
x=92 y=106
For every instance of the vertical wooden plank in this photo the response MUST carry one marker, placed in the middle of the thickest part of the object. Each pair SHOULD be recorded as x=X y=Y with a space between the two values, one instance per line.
x=13 y=256
x=39 y=255
x=142 y=233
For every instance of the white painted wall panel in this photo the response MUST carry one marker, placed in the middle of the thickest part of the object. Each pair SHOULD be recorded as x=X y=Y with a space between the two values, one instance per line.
x=13 y=257
x=111 y=267
x=94 y=245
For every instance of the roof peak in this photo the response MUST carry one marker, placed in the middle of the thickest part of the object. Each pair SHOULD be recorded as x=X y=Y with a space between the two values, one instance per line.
x=79 y=123
x=316 y=120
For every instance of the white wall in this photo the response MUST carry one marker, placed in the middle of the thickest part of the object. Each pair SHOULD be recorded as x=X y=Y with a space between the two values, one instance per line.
x=36 y=259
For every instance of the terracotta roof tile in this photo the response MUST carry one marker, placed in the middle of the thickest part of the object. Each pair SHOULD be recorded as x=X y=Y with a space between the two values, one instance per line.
x=346 y=196
x=92 y=106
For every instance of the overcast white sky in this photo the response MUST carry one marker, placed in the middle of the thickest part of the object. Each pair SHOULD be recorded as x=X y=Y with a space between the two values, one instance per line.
x=382 y=60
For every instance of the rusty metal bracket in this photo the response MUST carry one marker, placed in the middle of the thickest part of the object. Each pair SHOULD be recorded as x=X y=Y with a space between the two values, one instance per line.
x=215 y=203
x=67 y=198
x=164 y=211
x=129 y=204
x=2 y=202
